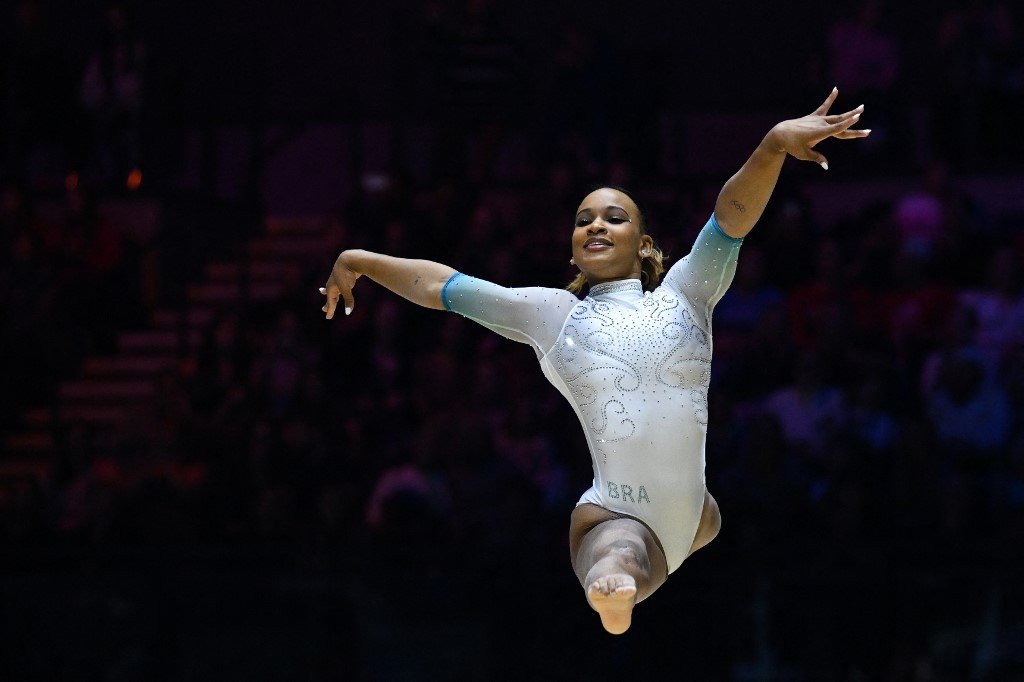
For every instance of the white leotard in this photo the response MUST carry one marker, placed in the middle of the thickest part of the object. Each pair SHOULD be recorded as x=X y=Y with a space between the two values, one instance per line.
x=635 y=366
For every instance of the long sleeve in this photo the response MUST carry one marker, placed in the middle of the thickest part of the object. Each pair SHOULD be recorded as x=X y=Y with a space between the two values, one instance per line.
x=706 y=272
x=532 y=315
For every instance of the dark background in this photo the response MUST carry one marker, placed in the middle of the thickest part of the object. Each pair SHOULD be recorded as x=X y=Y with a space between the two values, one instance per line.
x=201 y=478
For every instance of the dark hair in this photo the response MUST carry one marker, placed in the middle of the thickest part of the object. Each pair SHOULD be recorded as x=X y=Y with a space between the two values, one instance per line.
x=651 y=268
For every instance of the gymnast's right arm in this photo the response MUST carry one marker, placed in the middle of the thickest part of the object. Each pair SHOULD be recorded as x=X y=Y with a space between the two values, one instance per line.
x=420 y=281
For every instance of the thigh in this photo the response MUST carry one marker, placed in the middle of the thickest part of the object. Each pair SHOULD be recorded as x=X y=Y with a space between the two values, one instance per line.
x=591 y=527
x=710 y=523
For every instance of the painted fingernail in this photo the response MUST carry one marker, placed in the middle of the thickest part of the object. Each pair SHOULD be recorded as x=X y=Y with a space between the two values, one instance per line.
x=348 y=311
x=824 y=164
x=856 y=116
x=867 y=130
x=835 y=88
x=322 y=290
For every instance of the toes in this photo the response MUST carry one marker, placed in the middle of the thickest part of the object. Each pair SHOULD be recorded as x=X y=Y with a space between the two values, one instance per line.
x=623 y=586
x=612 y=586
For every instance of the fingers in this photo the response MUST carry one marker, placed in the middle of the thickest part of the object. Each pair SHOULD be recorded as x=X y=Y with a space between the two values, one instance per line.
x=326 y=305
x=817 y=157
x=852 y=134
x=841 y=126
x=823 y=109
x=810 y=154
x=350 y=302
x=332 y=292
x=837 y=118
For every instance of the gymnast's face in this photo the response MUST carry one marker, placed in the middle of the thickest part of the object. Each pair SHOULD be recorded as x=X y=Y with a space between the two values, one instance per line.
x=606 y=243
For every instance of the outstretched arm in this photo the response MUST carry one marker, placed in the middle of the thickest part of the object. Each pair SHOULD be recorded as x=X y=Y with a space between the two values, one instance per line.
x=744 y=197
x=420 y=281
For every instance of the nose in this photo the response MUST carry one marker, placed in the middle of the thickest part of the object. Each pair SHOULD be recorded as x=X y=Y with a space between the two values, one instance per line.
x=596 y=228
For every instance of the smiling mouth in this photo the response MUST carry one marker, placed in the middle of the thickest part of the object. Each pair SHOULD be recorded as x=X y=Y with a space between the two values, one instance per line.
x=596 y=245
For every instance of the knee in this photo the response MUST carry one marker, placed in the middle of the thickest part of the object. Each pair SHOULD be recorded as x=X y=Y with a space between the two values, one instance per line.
x=631 y=552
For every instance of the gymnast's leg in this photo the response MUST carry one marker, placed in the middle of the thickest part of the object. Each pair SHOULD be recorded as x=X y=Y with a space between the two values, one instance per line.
x=617 y=561
x=710 y=524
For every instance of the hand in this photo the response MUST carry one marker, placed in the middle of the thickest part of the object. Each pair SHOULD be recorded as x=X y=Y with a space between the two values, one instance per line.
x=798 y=136
x=340 y=283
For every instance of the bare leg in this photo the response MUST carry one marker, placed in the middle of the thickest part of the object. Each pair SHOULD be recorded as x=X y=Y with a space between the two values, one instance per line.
x=710 y=524
x=620 y=567
x=617 y=561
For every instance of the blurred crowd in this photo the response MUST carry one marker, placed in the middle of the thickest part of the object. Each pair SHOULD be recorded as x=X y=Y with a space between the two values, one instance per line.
x=866 y=431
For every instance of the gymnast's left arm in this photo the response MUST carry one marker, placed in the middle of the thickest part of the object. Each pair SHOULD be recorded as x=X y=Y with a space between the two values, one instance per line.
x=745 y=195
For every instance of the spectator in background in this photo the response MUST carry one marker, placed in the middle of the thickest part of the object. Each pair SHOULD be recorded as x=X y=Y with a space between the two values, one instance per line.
x=866 y=61
x=530 y=454
x=813 y=306
x=417 y=484
x=916 y=305
x=959 y=336
x=919 y=217
x=871 y=418
x=968 y=410
x=998 y=306
x=981 y=75
x=481 y=85
x=788 y=248
x=112 y=93
x=738 y=315
x=29 y=289
x=35 y=107
x=863 y=57
x=808 y=410
x=932 y=218
x=100 y=264
x=767 y=484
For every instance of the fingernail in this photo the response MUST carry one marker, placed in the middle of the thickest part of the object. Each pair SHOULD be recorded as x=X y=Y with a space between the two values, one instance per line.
x=834 y=88
x=856 y=116
x=322 y=290
x=824 y=164
x=867 y=130
x=348 y=311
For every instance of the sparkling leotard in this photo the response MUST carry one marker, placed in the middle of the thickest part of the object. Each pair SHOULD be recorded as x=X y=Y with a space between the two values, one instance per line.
x=635 y=366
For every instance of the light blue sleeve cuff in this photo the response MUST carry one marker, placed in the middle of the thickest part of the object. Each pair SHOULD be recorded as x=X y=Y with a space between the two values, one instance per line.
x=718 y=228
x=444 y=290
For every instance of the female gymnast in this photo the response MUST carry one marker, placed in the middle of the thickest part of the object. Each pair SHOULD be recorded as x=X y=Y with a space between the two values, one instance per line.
x=633 y=358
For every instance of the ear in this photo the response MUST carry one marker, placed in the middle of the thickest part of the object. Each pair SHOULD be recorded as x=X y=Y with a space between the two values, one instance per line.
x=646 y=246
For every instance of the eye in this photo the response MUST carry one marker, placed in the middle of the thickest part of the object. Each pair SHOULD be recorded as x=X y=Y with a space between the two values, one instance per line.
x=580 y=222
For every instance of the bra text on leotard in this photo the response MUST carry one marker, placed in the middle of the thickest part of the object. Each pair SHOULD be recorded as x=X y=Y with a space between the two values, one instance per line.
x=624 y=492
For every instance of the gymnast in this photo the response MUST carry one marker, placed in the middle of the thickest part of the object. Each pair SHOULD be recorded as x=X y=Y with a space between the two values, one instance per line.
x=633 y=358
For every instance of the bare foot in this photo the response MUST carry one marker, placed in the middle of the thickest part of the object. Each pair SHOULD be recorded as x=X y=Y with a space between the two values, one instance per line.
x=613 y=597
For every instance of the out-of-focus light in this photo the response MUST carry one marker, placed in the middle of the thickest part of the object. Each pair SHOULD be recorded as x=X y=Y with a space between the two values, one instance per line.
x=71 y=181
x=134 y=179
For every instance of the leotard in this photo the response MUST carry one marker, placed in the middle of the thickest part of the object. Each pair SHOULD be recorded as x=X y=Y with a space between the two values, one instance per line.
x=635 y=366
